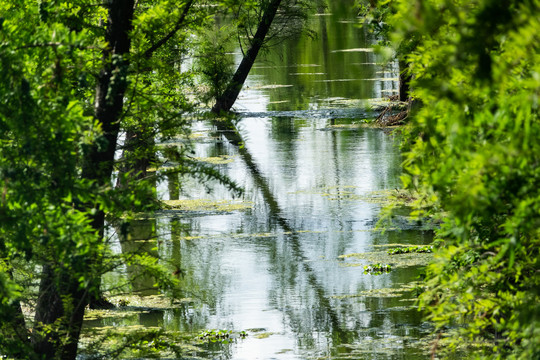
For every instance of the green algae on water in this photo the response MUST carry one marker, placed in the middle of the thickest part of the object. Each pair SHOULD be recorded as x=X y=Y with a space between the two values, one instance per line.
x=384 y=292
x=206 y=205
x=217 y=160
x=382 y=257
x=137 y=341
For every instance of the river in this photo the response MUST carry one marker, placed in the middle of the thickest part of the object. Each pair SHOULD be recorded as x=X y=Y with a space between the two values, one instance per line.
x=286 y=265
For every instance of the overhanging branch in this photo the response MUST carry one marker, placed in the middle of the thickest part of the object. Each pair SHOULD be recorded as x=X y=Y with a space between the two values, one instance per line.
x=148 y=53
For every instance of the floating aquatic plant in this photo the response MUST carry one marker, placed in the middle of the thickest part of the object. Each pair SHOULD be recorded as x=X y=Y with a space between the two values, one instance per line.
x=216 y=335
x=384 y=257
x=222 y=336
x=410 y=249
x=377 y=269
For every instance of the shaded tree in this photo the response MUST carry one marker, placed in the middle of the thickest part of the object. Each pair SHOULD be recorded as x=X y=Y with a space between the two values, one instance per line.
x=71 y=83
x=225 y=100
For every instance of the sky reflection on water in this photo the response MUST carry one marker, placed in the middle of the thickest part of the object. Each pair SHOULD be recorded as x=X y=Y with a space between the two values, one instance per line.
x=276 y=270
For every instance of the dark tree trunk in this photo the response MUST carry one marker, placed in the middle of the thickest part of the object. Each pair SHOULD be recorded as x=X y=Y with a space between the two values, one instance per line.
x=110 y=92
x=404 y=80
x=227 y=99
x=61 y=297
x=13 y=321
x=49 y=308
x=108 y=106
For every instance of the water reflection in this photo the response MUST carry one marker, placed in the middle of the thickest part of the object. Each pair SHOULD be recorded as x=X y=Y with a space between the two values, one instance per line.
x=139 y=237
x=278 y=266
x=332 y=70
x=277 y=270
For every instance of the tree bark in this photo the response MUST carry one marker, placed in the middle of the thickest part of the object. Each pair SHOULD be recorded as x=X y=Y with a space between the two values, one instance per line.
x=14 y=321
x=108 y=108
x=62 y=300
x=227 y=99
x=404 y=81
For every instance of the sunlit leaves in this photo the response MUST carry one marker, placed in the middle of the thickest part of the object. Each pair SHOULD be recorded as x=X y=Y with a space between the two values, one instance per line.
x=214 y=62
x=474 y=145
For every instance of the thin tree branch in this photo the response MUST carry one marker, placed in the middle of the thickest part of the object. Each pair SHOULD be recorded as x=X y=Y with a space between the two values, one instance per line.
x=148 y=53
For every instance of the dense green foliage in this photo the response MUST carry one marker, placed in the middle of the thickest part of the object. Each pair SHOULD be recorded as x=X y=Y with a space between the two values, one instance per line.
x=214 y=62
x=473 y=152
x=77 y=76
x=45 y=129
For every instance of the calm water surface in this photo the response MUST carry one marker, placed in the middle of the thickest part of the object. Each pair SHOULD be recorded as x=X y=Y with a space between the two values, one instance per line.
x=279 y=270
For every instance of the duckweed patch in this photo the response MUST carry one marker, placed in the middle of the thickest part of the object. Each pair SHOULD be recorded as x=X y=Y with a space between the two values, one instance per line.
x=377 y=293
x=181 y=140
x=217 y=160
x=137 y=341
x=379 y=246
x=383 y=257
x=404 y=291
x=152 y=302
x=342 y=127
x=334 y=192
x=383 y=197
x=131 y=305
x=91 y=315
x=351 y=103
x=273 y=235
x=256 y=330
x=206 y=205
x=284 y=351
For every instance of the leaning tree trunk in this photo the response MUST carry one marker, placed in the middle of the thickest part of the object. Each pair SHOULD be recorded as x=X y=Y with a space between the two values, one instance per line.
x=227 y=99
x=62 y=300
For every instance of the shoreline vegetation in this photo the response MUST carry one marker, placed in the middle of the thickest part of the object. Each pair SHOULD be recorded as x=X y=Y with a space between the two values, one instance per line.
x=471 y=153
x=93 y=95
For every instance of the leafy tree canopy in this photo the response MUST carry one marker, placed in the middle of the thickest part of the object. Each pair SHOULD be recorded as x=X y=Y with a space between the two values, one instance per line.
x=76 y=75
